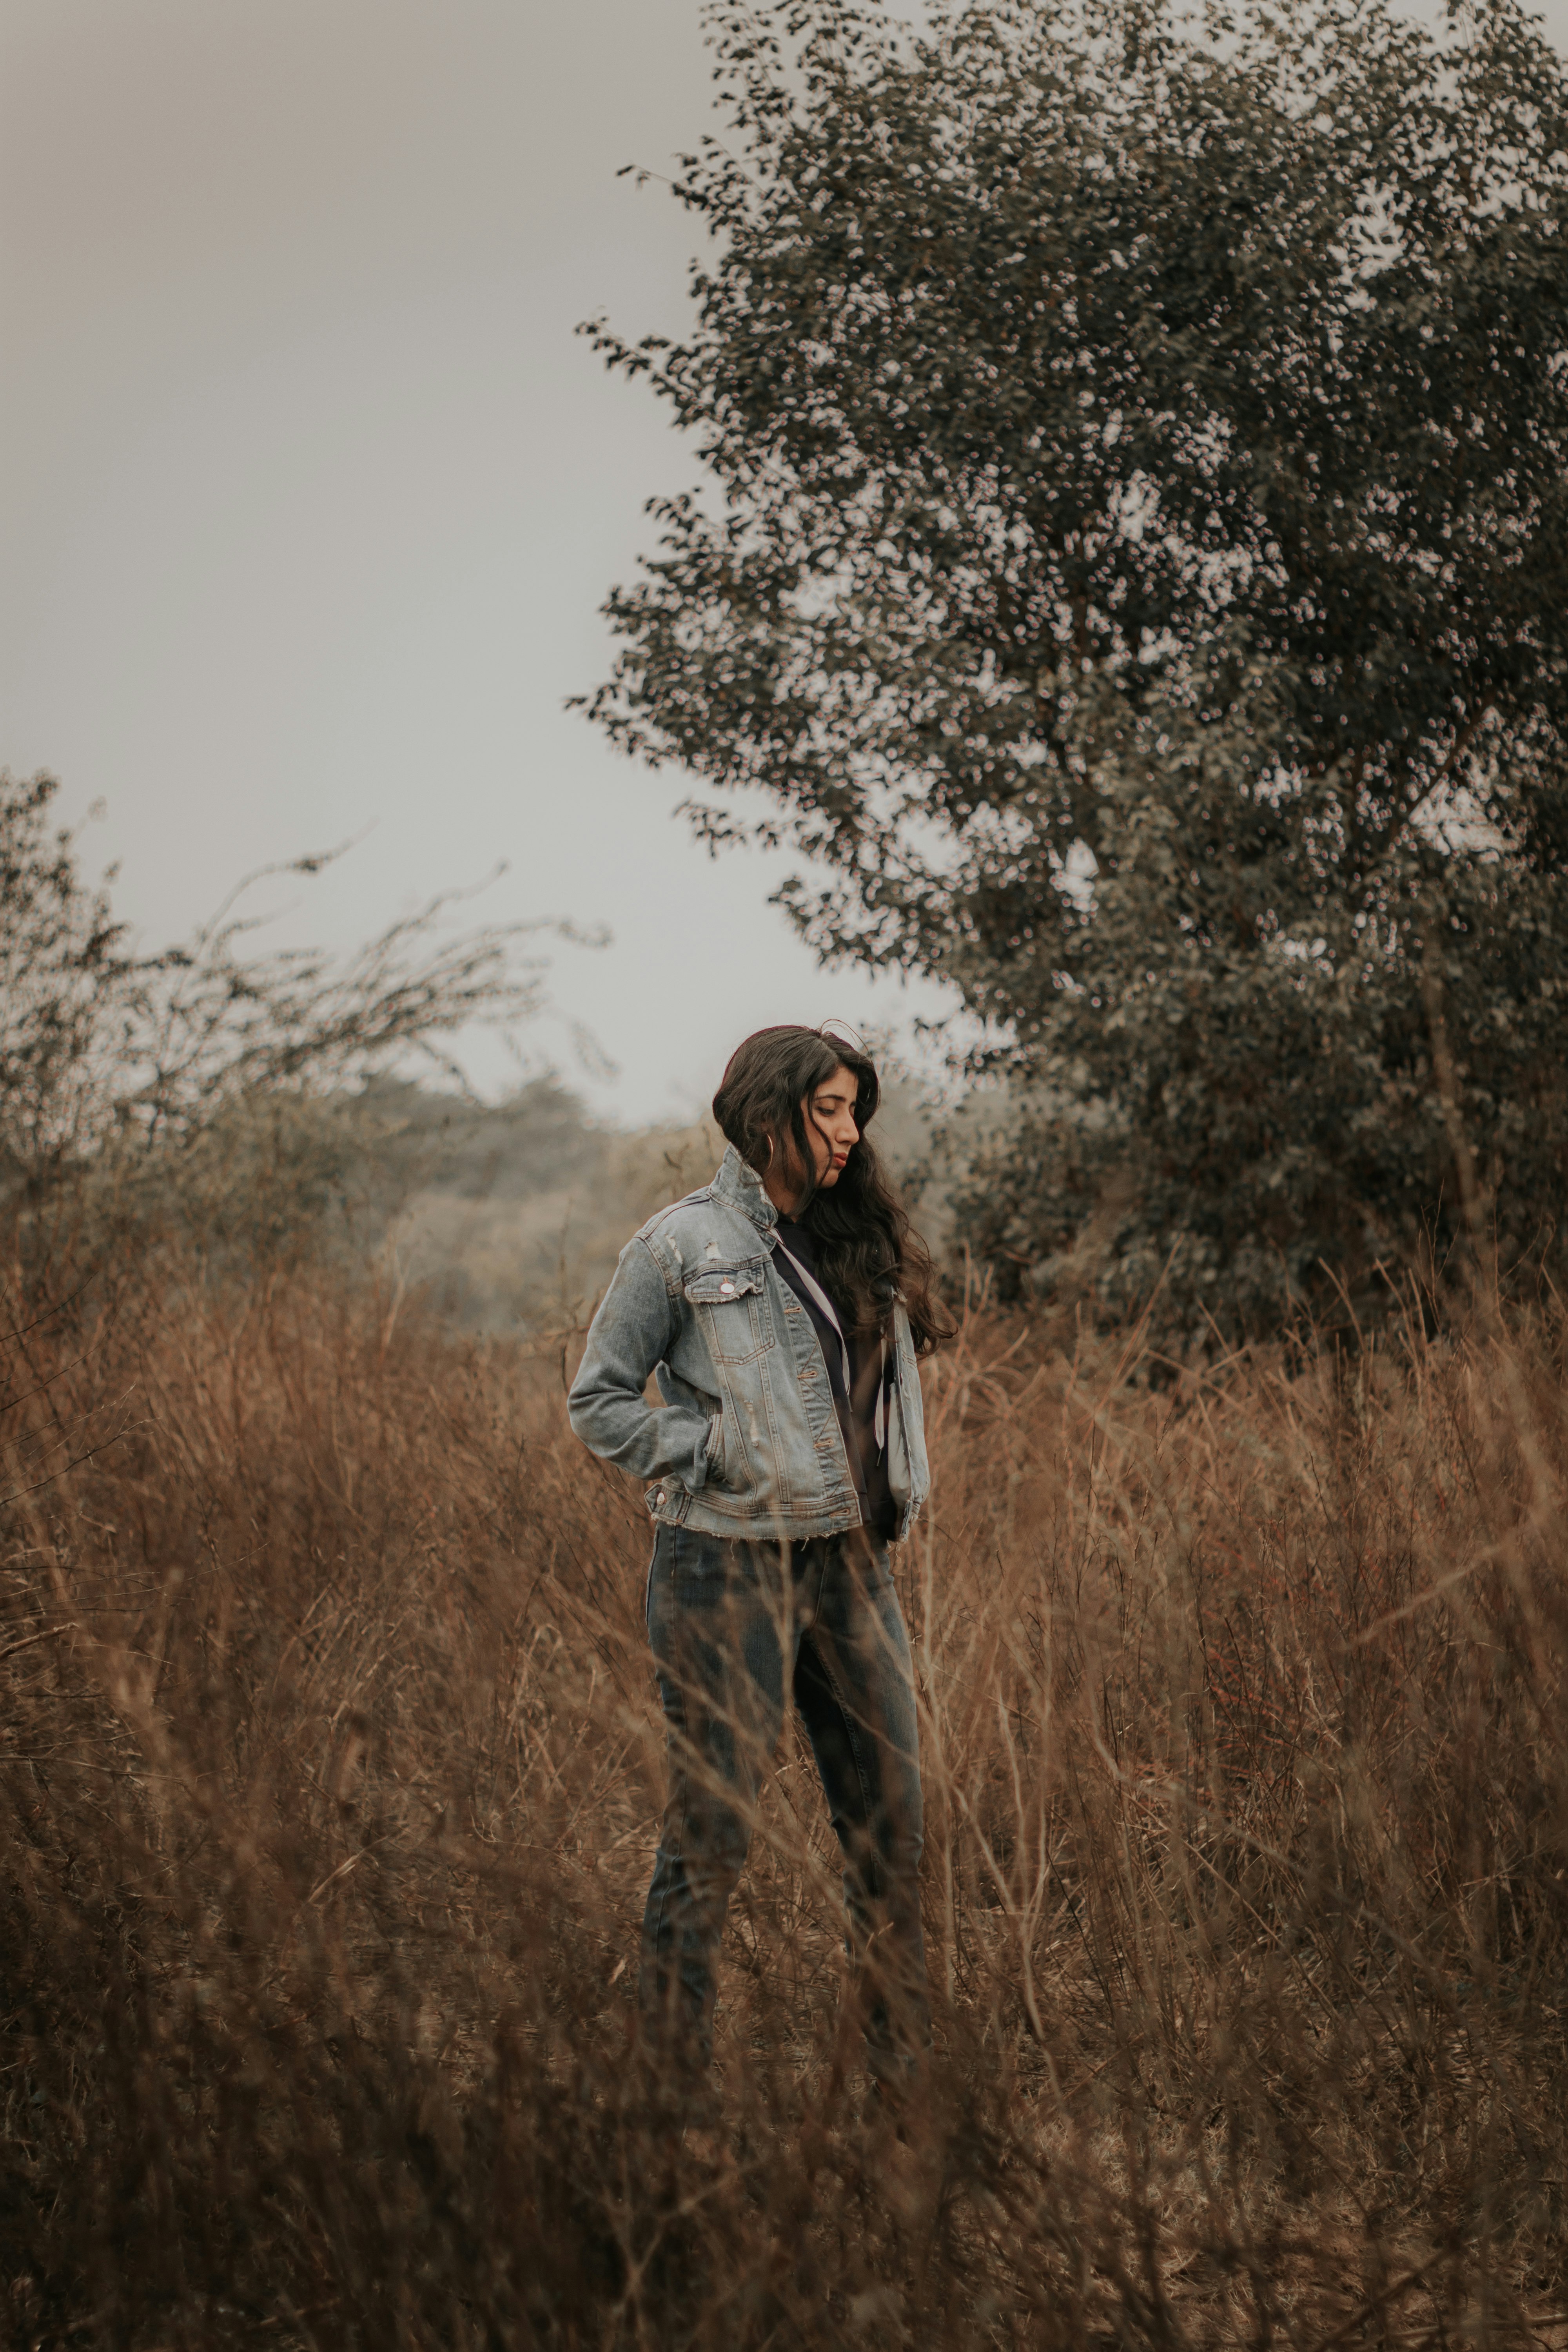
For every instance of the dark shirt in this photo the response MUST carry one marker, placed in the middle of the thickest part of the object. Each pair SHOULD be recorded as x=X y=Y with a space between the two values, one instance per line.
x=856 y=1407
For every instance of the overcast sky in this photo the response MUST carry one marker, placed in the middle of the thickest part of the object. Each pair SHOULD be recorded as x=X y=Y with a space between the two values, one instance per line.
x=310 y=497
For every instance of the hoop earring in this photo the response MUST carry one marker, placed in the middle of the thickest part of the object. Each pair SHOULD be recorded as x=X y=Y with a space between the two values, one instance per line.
x=769 y=1160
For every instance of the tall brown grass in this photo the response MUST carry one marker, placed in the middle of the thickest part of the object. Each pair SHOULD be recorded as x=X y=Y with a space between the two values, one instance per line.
x=331 y=1778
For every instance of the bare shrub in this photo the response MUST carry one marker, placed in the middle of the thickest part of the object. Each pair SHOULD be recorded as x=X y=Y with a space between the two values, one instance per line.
x=129 y=1080
x=330 y=1777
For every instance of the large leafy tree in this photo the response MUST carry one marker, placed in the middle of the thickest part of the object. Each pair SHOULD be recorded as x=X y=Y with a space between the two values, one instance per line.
x=1136 y=574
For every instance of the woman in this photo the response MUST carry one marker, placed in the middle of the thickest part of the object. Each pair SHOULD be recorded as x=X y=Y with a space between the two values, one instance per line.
x=782 y=1308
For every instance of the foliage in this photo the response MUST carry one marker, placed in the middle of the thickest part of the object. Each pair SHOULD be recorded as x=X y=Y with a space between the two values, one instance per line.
x=202 y=1053
x=509 y=1216
x=330 y=1770
x=1137 y=574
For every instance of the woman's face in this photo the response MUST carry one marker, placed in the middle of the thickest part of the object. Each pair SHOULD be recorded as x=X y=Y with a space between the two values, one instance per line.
x=830 y=1127
x=828 y=1113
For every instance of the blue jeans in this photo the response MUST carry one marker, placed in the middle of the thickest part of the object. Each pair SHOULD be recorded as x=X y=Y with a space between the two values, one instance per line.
x=730 y=1624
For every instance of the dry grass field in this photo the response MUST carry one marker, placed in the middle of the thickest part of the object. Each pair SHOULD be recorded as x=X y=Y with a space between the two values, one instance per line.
x=330 y=1778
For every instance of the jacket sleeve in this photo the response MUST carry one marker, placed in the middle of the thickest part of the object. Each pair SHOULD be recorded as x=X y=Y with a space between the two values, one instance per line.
x=633 y=1331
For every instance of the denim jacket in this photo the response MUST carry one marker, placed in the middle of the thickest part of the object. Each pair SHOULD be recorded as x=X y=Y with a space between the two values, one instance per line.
x=747 y=1441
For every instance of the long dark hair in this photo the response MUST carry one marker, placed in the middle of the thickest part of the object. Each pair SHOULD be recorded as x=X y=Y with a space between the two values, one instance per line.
x=867 y=1252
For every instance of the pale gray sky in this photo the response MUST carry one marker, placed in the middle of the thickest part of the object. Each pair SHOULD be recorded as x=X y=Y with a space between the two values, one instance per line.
x=310 y=497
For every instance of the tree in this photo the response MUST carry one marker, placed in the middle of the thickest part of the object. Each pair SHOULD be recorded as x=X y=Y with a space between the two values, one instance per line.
x=1139 y=577
x=108 y=1054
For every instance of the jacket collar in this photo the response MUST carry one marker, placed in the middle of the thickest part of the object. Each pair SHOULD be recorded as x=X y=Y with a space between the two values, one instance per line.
x=739 y=1185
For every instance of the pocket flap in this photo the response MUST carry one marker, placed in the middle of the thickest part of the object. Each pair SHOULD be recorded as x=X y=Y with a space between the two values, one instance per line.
x=715 y=1286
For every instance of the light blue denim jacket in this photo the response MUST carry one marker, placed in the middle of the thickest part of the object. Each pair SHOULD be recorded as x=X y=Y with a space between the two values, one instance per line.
x=747 y=1441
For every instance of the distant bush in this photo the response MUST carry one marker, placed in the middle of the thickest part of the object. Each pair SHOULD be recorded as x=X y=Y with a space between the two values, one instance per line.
x=508 y=1213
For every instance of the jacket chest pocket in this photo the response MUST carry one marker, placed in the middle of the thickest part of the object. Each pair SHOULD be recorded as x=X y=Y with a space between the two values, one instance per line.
x=730 y=1304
